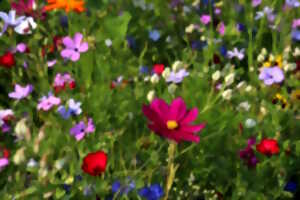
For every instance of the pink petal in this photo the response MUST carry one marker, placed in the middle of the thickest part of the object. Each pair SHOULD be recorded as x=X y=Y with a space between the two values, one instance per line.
x=75 y=56
x=3 y=162
x=83 y=47
x=177 y=109
x=161 y=108
x=80 y=136
x=153 y=116
x=192 y=128
x=67 y=53
x=77 y=40
x=190 y=137
x=190 y=116
x=69 y=43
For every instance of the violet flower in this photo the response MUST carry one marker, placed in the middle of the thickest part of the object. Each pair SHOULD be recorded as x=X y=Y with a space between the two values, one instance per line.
x=21 y=92
x=271 y=75
x=236 y=53
x=74 y=47
x=248 y=155
x=292 y=3
x=177 y=77
x=10 y=19
x=3 y=163
x=256 y=3
x=47 y=102
x=154 y=35
x=267 y=11
x=81 y=129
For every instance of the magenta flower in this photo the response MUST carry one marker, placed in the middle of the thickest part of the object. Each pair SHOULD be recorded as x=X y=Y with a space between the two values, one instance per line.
x=271 y=75
x=221 y=28
x=47 y=102
x=173 y=121
x=296 y=23
x=3 y=163
x=256 y=3
x=21 y=92
x=205 y=19
x=247 y=154
x=81 y=129
x=74 y=47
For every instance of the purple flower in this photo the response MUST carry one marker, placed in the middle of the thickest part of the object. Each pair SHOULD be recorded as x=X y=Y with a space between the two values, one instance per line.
x=3 y=163
x=295 y=35
x=292 y=3
x=47 y=102
x=177 y=77
x=248 y=155
x=267 y=11
x=21 y=92
x=296 y=23
x=5 y=115
x=74 y=47
x=81 y=129
x=256 y=3
x=236 y=53
x=10 y=19
x=205 y=19
x=154 y=35
x=21 y=47
x=271 y=75
x=125 y=188
x=73 y=108
x=153 y=192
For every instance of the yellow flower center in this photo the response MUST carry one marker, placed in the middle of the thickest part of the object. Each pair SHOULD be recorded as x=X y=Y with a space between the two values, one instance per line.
x=172 y=124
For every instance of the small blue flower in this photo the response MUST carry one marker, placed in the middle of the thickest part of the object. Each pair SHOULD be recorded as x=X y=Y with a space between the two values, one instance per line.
x=296 y=35
x=154 y=35
x=64 y=113
x=144 y=70
x=223 y=51
x=154 y=192
x=67 y=188
x=291 y=186
x=131 y=42
x=117 y=187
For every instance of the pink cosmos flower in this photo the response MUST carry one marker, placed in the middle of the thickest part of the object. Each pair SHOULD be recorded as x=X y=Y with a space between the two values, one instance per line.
x=74 y=47
x=205 y=19
x=21 y=92
x=296 y=23
x=47 y=102
x=173 y=121
x=221 y=28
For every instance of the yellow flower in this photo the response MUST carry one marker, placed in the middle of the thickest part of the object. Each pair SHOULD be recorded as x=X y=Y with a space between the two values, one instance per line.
x=267 y=64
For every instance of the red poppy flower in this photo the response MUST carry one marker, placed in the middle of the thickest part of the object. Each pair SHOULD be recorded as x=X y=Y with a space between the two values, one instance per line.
x=94 y=163
x=158 y=68
x=7 y=60
x=268 y=147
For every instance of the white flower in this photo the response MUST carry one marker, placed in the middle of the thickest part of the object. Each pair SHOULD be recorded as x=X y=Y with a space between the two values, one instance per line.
x=250 y=123
x=190 y=28
x=150 y=95
x=177 y=65
x=154 y=79
x=216 y=75
x=166 y=73
x=19 y=156
x=172 y=88
x=147 y=78
x=75 y=106
x=248 y=88
x=244 y=105
x=108 y=42
x=289 y=66
x=59 y=164
x=264 y=51
x=296 y=52
x=229 y=79
x=26 y=26
x=31 y=163
x=227 y=94
x=241 y=85
x=260 y=58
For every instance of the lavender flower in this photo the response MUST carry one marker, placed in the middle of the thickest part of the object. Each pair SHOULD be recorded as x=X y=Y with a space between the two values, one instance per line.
x=74 y=47
x=295 y=35
x=266 y=12
x=292 y=3
x=10 y=20
x=256 y=3
x=177 y=77
x=154 y=35
x=271 y=75
x=236 y=53
x=73 y=108
x=47 y=102
x=21 y=92
x=81 y=129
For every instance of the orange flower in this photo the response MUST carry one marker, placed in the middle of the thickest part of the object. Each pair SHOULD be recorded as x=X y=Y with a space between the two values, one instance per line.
x=67 y=5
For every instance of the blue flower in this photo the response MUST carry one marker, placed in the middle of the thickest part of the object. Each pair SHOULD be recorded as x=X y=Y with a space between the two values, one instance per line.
x=291 y=186
x=131 y=42
x=117 y=187
x=223 y=51
x=154 y=35
x=296 y=35
x=154 y=192
x=144 y=70
x=73 y=109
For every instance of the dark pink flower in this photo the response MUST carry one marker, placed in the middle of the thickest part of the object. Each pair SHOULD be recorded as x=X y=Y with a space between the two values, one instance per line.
x=173 y=121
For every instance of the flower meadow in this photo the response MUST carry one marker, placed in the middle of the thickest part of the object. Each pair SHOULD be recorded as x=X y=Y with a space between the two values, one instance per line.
x=150 y=99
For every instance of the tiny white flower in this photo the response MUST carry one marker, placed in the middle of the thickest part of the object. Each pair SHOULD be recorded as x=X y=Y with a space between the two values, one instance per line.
x=241 y=85
x=260 y=58
x=244 y=105
x=32 y=163
x=216 y=75
x=248 y=88
x=250 y=123
x=264 y=51
x=166 y=73
x=26 y=26
x=172 y=88
x=154 y=79
x=150 y=95
x=227 y=94
x=296 y=52
x=108 y=42
x=177 y=65
x=190 y=28
x=229 y=79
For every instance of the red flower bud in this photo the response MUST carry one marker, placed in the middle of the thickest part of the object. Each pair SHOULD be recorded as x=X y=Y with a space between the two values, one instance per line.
x=7 y=60
x=158 y=69
x=268 y=147
x=94 y=163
